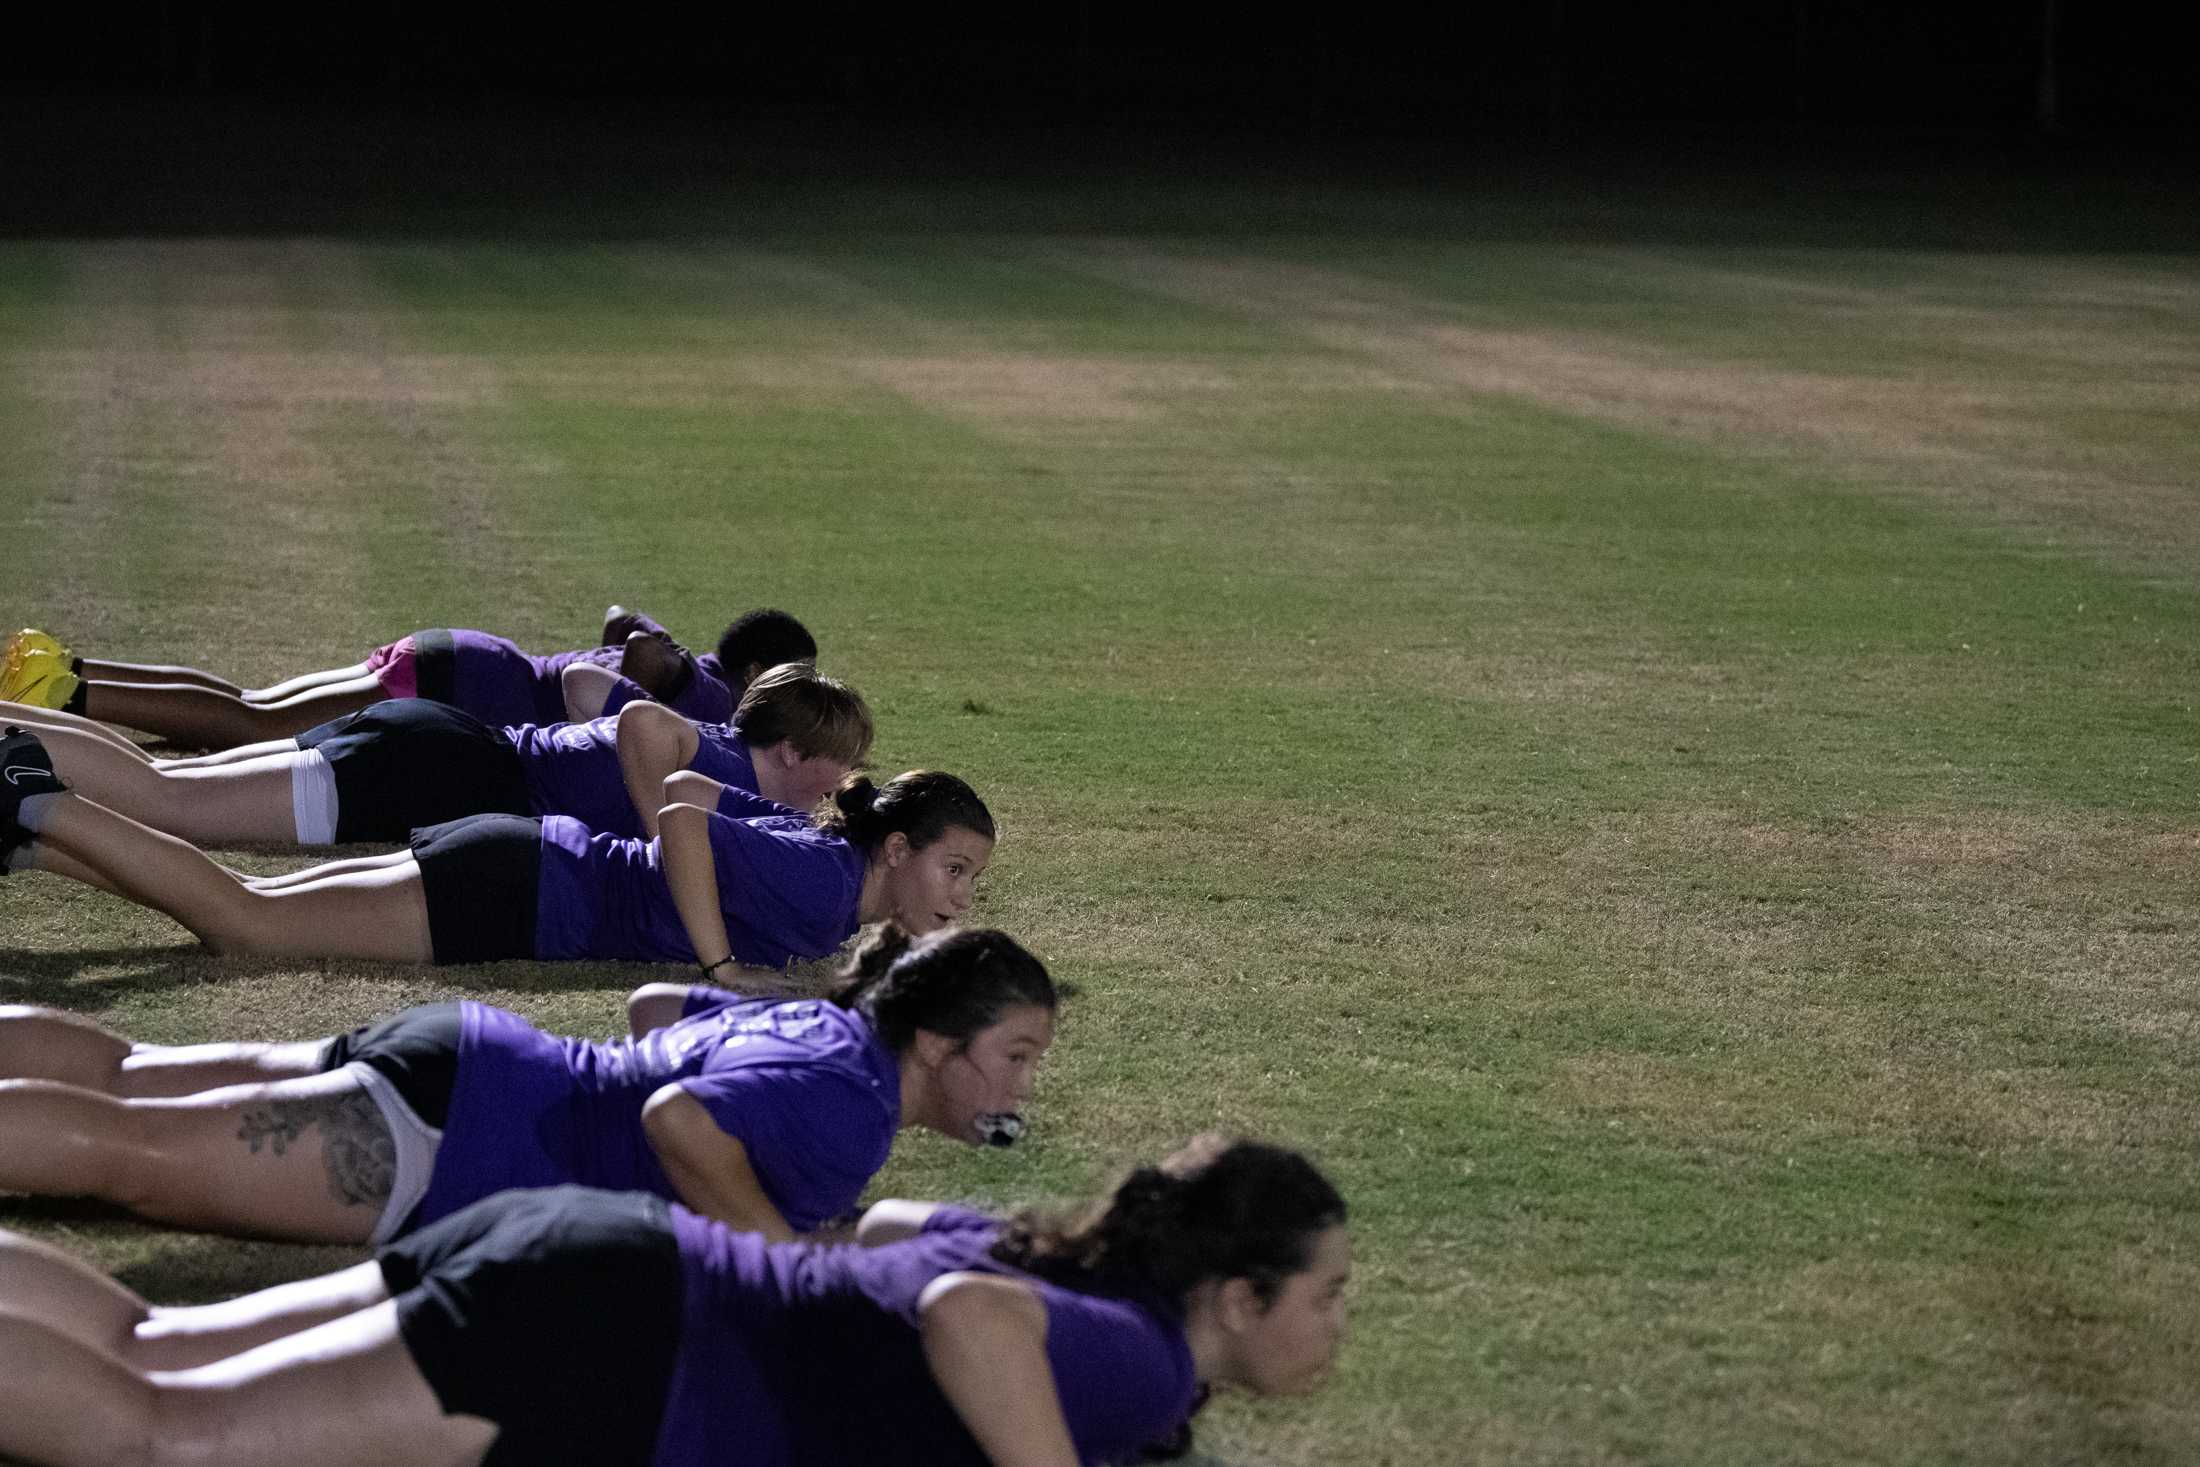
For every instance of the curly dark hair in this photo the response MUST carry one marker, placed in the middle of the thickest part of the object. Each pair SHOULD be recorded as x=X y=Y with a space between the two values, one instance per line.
x=764 y=637
x=1216 y=1209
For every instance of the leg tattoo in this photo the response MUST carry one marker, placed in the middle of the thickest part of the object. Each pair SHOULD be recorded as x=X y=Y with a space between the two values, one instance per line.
x=355 y=1144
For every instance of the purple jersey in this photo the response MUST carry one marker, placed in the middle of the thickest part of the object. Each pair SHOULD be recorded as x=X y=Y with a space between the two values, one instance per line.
x=788 y=890
x=704 y=697
x=758 y=1320
x=498 y=683
x=805 y=1087
x=573 y=769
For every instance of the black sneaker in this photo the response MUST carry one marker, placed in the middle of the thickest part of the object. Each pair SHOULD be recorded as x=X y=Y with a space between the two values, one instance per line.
x=25 y=769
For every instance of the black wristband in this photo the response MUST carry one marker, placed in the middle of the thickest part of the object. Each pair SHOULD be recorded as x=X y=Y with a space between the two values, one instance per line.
x=710 y=968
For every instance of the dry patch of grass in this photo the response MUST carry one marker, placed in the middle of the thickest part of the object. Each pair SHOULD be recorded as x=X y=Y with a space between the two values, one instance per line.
x=1015 y=386
x=1987 y=444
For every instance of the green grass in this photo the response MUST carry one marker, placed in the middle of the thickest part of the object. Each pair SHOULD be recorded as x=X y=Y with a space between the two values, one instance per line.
x=1717 y=887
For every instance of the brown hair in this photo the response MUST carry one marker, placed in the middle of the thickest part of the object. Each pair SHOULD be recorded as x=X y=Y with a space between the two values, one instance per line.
x=923 y=805
x=794 y=703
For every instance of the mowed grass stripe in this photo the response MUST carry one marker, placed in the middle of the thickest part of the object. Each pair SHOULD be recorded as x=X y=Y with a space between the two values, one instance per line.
x=2099 y=459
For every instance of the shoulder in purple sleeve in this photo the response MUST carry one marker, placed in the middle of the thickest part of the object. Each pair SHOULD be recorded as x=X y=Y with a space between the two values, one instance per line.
x=623 y=692
x=813 y=1097
x=702 y=998
x=947 y=1217
x=706 y=698
x=787 y=888
x=723 y=755
x=739 y=802
x=1124 y=1376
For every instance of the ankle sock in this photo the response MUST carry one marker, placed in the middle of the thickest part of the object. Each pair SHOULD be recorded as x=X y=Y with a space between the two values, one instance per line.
x=31 y=813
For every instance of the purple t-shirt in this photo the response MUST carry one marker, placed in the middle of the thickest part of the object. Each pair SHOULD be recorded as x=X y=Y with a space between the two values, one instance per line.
x=805 y=1087
x=573 y=769
x=502 y=685
x=788 y=890
x=759 y=1318
x=706 y=697
x=498 y=683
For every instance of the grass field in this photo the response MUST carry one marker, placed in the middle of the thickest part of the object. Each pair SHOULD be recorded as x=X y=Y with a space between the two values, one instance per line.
x=1663 y=751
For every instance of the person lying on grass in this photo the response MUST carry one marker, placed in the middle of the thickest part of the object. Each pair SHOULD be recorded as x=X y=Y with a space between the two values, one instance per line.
x=486 y=675
x=766 y=1115
x=730 y=878
x=583 y=1327
x=380 y=774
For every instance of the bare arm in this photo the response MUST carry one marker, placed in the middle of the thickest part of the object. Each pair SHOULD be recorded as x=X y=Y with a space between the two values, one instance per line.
x=708 y=1168
x=654 y=743
x=985 y=1341
x=653 y=1006
x=692 y=873
x=655 y=662
x=586 y=687
x=891 y=1219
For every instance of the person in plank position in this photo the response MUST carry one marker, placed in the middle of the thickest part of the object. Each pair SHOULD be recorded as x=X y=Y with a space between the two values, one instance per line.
x=381 y=773
x=588 y=1328
x=769 y=1115
x=489 y=676
x=730 y=877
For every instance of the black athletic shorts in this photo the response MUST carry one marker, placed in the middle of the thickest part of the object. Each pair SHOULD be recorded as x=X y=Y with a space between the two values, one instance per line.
x=416 y=1051
x=435 y=664
x=406 y=762
x=480 y=876
x=553 y=1313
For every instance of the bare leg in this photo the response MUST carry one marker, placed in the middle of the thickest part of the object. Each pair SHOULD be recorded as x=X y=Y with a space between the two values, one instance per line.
x=40 y=1283
x=220 y=757
x=349 y=866
x=47 y=1044
x=44 y=721
x=380 y=915
x=250 y=800
x=214 y=720
x=179 y=1338
x=306 y=1159
x=96 y=669
x=46 y=855
x=307 y=683
x=341 y=1394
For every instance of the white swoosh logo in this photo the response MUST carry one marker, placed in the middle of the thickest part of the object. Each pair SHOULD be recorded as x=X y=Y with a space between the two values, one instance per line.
x=20 y=772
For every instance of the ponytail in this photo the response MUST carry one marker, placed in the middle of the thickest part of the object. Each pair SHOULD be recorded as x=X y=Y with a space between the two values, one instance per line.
x=922 y=806
x=954 y=982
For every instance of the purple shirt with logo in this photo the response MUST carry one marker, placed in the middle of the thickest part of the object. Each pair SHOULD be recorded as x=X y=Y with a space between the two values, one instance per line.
x=805 y=1087
x=803 y=1353
x=788 y=890
x=573 y=769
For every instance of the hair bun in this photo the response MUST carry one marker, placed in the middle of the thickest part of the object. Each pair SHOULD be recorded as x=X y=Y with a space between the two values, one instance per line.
x=856 y=796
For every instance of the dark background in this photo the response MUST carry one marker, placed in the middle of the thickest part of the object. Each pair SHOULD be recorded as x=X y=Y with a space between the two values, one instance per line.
x=182 y=116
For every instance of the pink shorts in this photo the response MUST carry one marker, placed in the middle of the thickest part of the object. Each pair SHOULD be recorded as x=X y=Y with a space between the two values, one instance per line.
x=397 y=668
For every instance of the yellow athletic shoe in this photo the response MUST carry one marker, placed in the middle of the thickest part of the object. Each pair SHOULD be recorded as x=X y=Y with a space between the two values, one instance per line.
x=31 y=639
x=34 y=669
